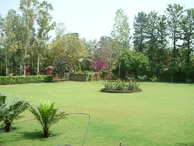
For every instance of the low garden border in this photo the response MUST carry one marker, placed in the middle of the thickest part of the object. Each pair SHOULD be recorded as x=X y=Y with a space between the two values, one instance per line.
x=121 y=91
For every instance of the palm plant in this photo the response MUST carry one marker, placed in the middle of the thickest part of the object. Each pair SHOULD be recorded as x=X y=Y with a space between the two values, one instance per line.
x=11 y=109
x=47 y=115
x=2 y=98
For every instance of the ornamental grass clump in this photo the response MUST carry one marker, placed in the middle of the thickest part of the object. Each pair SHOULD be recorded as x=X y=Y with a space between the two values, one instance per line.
x=121 y=85
x=47 y=115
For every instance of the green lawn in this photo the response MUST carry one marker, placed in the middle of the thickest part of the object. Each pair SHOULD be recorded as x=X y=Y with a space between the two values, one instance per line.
x=161 y=115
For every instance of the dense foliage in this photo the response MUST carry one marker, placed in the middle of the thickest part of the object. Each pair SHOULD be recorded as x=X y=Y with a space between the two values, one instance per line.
x=67 y=51
x=132 y=62
x=25 y=79
x=166 y=42
x=24 y=37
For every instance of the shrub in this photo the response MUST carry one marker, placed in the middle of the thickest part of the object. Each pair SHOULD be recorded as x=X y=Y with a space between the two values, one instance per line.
x=25 y=79
x=48 y=78
x=142 y=78
x=11 y=109
x=121 y=85
x=90 y=76
x=98 y=64
x=47 y=115
x=154 y=79
x=132 y=62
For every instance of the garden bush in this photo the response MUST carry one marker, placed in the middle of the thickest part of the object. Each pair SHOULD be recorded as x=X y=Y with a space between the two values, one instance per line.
x=25 y=79
x=121 y=85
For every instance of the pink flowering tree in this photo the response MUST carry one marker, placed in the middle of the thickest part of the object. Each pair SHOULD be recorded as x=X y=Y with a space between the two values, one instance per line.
x=99 y=64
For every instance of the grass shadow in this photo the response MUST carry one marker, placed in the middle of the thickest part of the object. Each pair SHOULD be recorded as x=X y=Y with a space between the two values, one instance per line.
x=36 y=135
x=185 y=144
x=32 y=135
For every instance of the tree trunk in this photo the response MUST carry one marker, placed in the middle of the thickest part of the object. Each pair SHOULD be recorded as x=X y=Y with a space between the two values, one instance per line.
x=25 y=63
x=6 y=69
x=158 y=77
x=46 y=132
x=61 y=75
x=24 y=69
x=188 y=53
x=126 y=74
x=7 y=126
x=20 y=68
x=38 y=63
x=172 y=78
x=32 y=64
x=15 y=69
x=174 y=51
x=119 y=70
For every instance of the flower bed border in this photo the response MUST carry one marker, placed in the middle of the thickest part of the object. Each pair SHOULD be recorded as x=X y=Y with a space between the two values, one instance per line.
x=121 y=91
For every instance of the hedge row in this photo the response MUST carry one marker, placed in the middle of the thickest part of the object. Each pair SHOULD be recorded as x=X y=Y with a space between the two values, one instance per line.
x=25 y=79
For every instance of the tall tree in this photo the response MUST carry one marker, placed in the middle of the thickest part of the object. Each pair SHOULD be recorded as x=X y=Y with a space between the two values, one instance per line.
x=162 y=39
x=60 y=29
x=72 y=47
x=107 y=50
x=1 y=47
x=162 y=51
x=91 y=48
x=29 y=13
x=9 y=38
x=188 y=32
x=121 y=30
x=152 y=40
x=188 y=41
x=17 y=58
x=175 y=14
x=45 y=24
x=139 y=36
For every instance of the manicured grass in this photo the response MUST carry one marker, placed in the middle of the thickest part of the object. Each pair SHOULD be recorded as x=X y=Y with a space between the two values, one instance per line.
x=161 y=115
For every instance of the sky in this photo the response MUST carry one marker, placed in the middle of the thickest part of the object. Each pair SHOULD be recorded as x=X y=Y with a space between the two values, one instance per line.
x=95 y=18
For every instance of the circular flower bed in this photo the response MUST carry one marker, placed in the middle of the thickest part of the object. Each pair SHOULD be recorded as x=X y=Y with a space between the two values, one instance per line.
x=121 y=86
x=120 y=91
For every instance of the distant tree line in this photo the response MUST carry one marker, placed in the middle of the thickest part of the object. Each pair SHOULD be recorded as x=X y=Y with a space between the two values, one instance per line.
x=161 y=46
x=24 y=37
x=167 y=41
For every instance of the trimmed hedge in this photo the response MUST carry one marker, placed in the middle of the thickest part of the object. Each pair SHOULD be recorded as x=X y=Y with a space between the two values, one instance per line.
x=79 y=77
x=25 y=79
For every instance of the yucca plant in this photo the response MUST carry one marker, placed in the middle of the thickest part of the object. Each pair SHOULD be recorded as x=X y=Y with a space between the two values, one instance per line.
x=11 y=109
x=47 y=115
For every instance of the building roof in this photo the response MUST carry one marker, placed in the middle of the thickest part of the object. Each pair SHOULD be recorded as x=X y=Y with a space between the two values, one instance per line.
x=51 y=67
